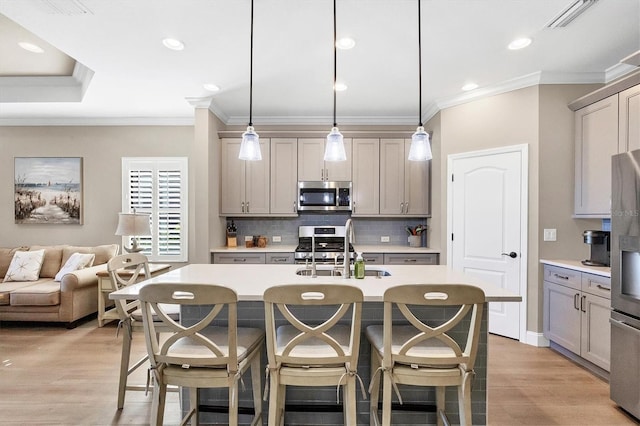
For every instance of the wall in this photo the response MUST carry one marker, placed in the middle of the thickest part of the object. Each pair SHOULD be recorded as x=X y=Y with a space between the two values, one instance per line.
x=101 y=149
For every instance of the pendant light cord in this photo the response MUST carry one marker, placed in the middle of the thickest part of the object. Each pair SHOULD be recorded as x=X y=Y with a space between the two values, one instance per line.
x=251 y=73
x=335 y=66
x=419 y=66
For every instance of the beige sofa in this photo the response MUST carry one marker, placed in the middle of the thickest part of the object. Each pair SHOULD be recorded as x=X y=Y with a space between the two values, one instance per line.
x=66 y=301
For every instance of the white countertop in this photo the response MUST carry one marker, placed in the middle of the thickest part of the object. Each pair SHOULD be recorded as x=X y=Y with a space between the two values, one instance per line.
x=360 y=248
x=251 y=281
x=578 y=266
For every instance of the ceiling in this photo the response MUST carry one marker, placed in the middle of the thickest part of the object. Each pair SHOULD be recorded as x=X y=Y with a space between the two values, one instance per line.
x=112 y=67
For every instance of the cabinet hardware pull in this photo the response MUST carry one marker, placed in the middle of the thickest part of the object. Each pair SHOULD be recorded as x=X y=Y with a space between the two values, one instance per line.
x=237 y=259
x=354 y=206
x=561 y=276
x=575 y=301
x=242 y=204
x=295 y=207
x=601 y=287
x=321 y=174
x=401 y=208
x=411 y=260
x=583 y=299
x=247 y=207
x=406 y=207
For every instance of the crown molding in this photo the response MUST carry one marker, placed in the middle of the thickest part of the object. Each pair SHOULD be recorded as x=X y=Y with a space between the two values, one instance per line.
x=98 y=121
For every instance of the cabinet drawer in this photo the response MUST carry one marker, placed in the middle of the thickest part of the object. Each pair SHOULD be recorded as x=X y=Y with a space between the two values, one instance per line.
x=373 y=258
x=411 y=259
x=238 y=258
x=279 y=258
x=596 y=285
x=563 y=276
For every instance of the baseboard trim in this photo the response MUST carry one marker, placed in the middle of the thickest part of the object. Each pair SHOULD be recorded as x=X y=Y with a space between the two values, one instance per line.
x=536 y=339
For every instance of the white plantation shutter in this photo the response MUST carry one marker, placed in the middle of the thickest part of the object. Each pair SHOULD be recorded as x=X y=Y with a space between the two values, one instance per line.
x=158 y=186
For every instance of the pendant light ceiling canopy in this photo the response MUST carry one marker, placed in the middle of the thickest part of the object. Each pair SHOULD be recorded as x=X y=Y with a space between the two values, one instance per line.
x=334 y=147
x=250 y=146
x=420 y=146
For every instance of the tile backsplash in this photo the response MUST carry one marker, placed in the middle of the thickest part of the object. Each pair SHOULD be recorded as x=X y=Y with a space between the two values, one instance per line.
x=366 y=230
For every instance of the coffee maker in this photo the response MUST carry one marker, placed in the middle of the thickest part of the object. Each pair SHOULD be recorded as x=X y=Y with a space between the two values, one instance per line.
x=600 y=248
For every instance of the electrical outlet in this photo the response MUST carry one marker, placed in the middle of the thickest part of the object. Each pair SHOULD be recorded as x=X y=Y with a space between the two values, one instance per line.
x=550 y=235
x=277 y=239
x=248 y=238
x=384 y=239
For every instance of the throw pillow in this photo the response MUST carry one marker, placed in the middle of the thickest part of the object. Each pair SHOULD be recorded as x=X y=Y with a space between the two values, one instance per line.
x=25 y=266
x=75 y=262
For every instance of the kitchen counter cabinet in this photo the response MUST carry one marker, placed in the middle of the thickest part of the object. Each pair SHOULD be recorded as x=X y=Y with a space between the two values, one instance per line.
x=311 y=164
x=279 y=258
x=373 y=258
x=577 y=308
x=366 y=177
x=239 y=258
x=404 y=185
x=245 y=184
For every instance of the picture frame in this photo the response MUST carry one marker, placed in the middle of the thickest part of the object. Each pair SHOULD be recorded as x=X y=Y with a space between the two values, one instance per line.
x=48 y=190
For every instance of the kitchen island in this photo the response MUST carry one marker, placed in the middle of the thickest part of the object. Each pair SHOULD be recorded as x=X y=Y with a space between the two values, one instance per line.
x=250 y=282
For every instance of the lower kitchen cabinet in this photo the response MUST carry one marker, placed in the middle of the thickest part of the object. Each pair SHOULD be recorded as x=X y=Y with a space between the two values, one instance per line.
x=278 y=258
x=577 y=307
x=373 y=258
x=239 y=258
x=411 y=258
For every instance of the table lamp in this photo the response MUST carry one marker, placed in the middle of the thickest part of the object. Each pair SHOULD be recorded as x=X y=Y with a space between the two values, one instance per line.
x=133 y=224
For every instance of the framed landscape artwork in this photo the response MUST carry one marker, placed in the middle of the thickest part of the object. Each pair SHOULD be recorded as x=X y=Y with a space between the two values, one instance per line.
x=48 y=190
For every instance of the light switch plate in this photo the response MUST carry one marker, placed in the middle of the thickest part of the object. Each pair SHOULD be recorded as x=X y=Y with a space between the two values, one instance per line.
x=550 y=235
x=277 y=239
x=248 y=238
x=384 y=239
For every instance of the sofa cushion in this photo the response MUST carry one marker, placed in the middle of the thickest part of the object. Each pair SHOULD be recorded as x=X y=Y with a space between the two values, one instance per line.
x=25 y=266
x=103 y=253
x=52 y=260
x=8 y=287
x=45 y=293
x=6 y=255
x=75 y=262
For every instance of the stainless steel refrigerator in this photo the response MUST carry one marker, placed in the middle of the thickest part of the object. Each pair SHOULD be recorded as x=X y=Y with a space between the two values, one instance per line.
x=625 y=281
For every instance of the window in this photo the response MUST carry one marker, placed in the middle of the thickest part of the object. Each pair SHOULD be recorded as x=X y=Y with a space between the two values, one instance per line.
x=158 y=186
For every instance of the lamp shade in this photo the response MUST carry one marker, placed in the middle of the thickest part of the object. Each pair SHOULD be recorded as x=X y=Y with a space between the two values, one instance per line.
x=134 y=224
x=334 y=150
x=250 y=146
x=420 y=147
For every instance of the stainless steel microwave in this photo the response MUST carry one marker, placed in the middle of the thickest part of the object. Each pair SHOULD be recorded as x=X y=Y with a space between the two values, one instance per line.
x=324 y=196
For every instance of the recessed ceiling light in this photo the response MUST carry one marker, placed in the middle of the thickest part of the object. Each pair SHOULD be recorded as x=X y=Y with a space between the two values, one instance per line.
x=519 y=43
x=211 y=87
x=340 y=87
x=31 y=47
x=173 y=44
x=469 y=86
x=345 y=43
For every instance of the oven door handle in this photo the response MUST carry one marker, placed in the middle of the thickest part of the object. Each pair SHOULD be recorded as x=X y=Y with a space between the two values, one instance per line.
x=623 y=325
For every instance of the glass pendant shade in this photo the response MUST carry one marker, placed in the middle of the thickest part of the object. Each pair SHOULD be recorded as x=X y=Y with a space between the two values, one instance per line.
x=250 y=146
x=420 y=147
x=334 y=150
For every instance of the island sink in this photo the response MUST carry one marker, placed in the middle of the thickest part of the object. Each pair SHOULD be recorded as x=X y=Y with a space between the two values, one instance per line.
x=324 y=271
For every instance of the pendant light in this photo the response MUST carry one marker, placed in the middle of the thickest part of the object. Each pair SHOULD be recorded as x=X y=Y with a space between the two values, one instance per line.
x=420 y=147
x=250 y=146
x=334 y=149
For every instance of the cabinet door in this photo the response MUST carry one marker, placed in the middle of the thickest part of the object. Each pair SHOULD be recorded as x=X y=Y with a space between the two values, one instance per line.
x=596 y=330
x=311 y=159
x=232 y=178
x=284 y=176
x=416 y=185
x=257 y=182
x=629 y=119
x=596 y=141
x=392 y=179
x=562 y=319
x=366 y=177
x=339 y=170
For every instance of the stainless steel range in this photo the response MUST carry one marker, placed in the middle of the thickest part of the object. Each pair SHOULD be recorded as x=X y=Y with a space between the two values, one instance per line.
x=329 y=244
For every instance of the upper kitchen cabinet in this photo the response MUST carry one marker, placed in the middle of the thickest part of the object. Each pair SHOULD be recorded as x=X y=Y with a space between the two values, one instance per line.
x=284 y=176
x=366 y=177
x=596 y=127
x=404 y=184
x=311 y=164
x=629 y=119
x=244 y=185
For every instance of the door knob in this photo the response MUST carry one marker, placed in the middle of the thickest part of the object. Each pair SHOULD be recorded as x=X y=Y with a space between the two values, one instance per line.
x=512 y=254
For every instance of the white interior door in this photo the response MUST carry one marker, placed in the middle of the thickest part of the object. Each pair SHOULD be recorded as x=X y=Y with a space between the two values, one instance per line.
x=487 y=224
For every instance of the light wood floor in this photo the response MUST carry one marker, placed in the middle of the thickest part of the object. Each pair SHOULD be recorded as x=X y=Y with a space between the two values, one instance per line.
x=53 y=376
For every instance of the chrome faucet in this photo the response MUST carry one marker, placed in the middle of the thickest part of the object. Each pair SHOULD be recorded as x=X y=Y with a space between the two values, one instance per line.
x=314 y=272
x=348 y=236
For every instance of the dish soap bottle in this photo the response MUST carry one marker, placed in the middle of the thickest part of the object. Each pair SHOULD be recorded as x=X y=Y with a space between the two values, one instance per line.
x=358 y=267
